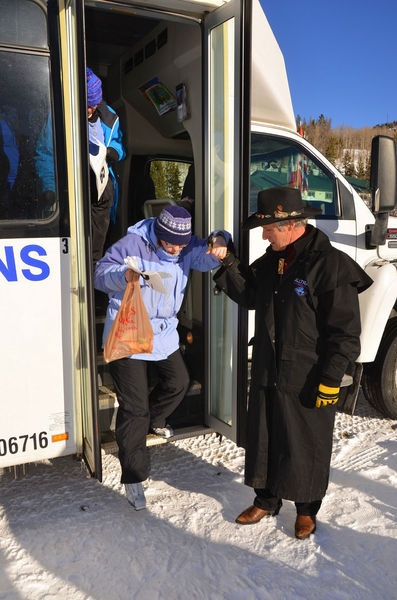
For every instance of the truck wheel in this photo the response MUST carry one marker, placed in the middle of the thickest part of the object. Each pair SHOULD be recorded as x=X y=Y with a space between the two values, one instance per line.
x=379 y=381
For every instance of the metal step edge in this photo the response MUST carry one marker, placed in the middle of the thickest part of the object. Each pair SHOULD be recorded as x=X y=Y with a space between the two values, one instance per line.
x=155 y=440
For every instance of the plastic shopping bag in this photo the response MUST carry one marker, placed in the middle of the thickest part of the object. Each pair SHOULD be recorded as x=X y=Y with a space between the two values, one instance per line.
x=131 y=332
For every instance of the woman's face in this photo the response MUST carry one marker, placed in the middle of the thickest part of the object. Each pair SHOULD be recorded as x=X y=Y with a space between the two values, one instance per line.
x=173 y=249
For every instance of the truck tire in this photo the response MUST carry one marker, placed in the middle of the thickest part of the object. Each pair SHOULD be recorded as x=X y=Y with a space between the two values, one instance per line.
x=379 y=381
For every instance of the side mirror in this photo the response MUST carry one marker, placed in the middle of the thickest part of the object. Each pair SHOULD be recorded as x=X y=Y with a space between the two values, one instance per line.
x=383 y=180
x=383 y=184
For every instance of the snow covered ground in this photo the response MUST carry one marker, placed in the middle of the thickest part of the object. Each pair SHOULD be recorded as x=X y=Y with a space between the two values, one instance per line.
x=66 y=536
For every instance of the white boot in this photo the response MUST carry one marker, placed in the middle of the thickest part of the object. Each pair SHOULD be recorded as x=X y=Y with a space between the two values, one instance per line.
x=165 y=432
x=135 y=495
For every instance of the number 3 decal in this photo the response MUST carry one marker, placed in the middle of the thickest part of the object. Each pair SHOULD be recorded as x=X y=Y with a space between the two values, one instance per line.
x=65 y=245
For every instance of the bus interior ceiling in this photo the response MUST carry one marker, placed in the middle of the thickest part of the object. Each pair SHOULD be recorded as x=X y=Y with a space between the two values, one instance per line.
x=127 y=51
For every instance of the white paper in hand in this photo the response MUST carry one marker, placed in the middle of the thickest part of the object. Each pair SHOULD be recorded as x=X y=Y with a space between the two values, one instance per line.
x=152 y=278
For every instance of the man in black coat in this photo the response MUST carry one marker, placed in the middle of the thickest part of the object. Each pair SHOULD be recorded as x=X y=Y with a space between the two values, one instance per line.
x=307 y=329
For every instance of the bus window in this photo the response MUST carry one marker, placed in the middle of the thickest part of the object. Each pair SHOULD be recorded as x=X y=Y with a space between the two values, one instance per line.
x=280 y=161
x=27 y=166
x=23 y=23
x=26 y=134
x=169 y=178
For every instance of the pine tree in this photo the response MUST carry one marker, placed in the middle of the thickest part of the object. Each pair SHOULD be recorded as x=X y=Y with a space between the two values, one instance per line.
x=173 y=180
x=332 y=152
x=367 y=171
x=157 y=173
x=361 y=168
x=348 y=166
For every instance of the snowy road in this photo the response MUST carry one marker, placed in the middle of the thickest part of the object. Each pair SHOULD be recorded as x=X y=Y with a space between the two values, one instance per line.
x=66 y=536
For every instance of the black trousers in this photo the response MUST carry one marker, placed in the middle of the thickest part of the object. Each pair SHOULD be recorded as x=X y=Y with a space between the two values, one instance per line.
x=139 y=411
x=266 y=501
x=100 y=217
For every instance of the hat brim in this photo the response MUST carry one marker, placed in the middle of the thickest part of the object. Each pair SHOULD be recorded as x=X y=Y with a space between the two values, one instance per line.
x=255 y=221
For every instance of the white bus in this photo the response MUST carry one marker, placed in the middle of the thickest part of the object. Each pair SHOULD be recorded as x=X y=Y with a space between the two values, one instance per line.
x=228 y=124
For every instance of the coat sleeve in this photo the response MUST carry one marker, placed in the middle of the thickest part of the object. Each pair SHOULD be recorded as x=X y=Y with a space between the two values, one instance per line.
x=44 y=157
x=197 y=252
x=11 y=150
x=116 y=141
x=238 y=281
x=109 y=273
x=339 y=319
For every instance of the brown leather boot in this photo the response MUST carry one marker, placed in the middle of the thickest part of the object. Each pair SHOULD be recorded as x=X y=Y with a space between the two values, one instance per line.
x=304 y=526
x=253 y=514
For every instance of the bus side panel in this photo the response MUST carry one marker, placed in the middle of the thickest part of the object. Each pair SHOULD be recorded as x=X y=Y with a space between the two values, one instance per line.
x=36 y=400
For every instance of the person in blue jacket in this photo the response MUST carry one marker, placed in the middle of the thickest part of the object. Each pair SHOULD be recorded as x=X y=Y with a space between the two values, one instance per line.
x=9 y=162
x=105 y=147
x=44 y=162
x=164 y=244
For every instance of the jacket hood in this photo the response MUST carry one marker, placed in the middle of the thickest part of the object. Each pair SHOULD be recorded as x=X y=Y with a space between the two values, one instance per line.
x=145 y=230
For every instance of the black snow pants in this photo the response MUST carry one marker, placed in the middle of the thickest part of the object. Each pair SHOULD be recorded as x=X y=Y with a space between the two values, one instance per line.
x=140 y=410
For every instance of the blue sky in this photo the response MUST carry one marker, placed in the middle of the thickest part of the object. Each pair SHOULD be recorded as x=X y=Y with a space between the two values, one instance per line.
x=341 y=57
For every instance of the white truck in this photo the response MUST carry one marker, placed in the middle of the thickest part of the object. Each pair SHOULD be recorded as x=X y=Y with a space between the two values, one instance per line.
x=196 y=83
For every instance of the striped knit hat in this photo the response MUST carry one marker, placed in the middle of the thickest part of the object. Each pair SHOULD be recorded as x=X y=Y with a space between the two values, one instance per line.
x=94 y=88
x=174 y=225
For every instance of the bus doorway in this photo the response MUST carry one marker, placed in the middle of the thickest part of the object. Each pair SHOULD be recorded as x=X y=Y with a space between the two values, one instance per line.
x=141 y=59
x=145 y=58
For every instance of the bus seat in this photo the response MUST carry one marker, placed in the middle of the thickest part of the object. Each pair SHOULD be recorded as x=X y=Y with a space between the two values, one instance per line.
x=152 y=208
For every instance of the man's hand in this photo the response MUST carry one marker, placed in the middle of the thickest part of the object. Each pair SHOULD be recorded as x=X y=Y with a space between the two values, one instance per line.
x=217 y=247
x=326 y=395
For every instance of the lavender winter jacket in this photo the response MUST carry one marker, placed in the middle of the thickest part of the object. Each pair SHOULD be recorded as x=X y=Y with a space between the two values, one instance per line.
x=141 y=242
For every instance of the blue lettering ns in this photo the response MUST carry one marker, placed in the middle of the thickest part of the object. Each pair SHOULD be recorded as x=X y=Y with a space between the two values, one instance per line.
x=9 y=269
x=34 y=262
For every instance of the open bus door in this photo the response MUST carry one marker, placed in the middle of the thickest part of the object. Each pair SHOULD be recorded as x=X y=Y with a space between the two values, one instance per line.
x=226 y=50
x=72 y=30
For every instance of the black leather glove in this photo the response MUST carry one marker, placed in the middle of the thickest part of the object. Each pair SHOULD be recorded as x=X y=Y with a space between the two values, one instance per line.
x=112 y=154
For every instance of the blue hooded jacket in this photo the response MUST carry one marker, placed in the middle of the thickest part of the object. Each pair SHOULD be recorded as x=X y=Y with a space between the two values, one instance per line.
x=44 y=158
x=11 y=150
x=142 y=242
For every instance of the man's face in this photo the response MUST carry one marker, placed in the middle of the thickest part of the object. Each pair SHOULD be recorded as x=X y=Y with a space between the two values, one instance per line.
x=91 y=110
x=172 y=248
x=278 y=239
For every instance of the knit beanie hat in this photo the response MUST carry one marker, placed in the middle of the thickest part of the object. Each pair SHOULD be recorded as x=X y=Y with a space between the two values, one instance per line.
x=94 y=89
x=174 y=225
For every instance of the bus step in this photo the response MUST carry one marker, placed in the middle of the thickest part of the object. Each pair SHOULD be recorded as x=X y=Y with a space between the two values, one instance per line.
x=107 y=398
x=109 y=444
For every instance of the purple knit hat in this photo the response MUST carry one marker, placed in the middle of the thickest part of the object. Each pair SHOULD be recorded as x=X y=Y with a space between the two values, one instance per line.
x=174 y=225
x=94 y=89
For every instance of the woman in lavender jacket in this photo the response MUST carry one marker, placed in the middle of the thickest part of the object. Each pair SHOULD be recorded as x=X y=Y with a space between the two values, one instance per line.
x=164 y=244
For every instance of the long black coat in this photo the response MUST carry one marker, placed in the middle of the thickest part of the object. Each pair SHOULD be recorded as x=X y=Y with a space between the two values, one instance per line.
x=307 y=328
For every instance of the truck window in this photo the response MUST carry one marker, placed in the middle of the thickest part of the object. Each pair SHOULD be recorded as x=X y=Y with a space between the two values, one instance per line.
x=280 y=161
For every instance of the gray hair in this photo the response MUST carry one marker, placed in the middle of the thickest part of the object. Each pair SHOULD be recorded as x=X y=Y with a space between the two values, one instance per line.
x=297 y=223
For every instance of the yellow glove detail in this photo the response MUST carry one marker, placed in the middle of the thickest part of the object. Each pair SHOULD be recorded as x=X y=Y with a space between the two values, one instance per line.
x=326 y=395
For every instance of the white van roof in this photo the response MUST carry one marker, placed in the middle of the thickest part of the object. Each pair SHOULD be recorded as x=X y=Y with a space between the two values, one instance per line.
x=270 y=94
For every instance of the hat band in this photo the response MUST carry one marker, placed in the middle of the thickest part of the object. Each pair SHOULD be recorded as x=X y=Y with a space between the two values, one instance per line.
x=172 y=231
x=279 y=215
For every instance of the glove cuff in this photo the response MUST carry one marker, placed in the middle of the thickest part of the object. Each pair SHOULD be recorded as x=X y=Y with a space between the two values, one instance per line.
x=328 y=393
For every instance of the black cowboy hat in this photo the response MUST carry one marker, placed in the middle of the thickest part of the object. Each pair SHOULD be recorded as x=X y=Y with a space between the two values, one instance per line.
x=279 y=203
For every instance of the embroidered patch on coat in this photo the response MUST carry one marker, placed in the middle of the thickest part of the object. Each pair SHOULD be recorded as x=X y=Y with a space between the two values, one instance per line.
x=300 y=287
